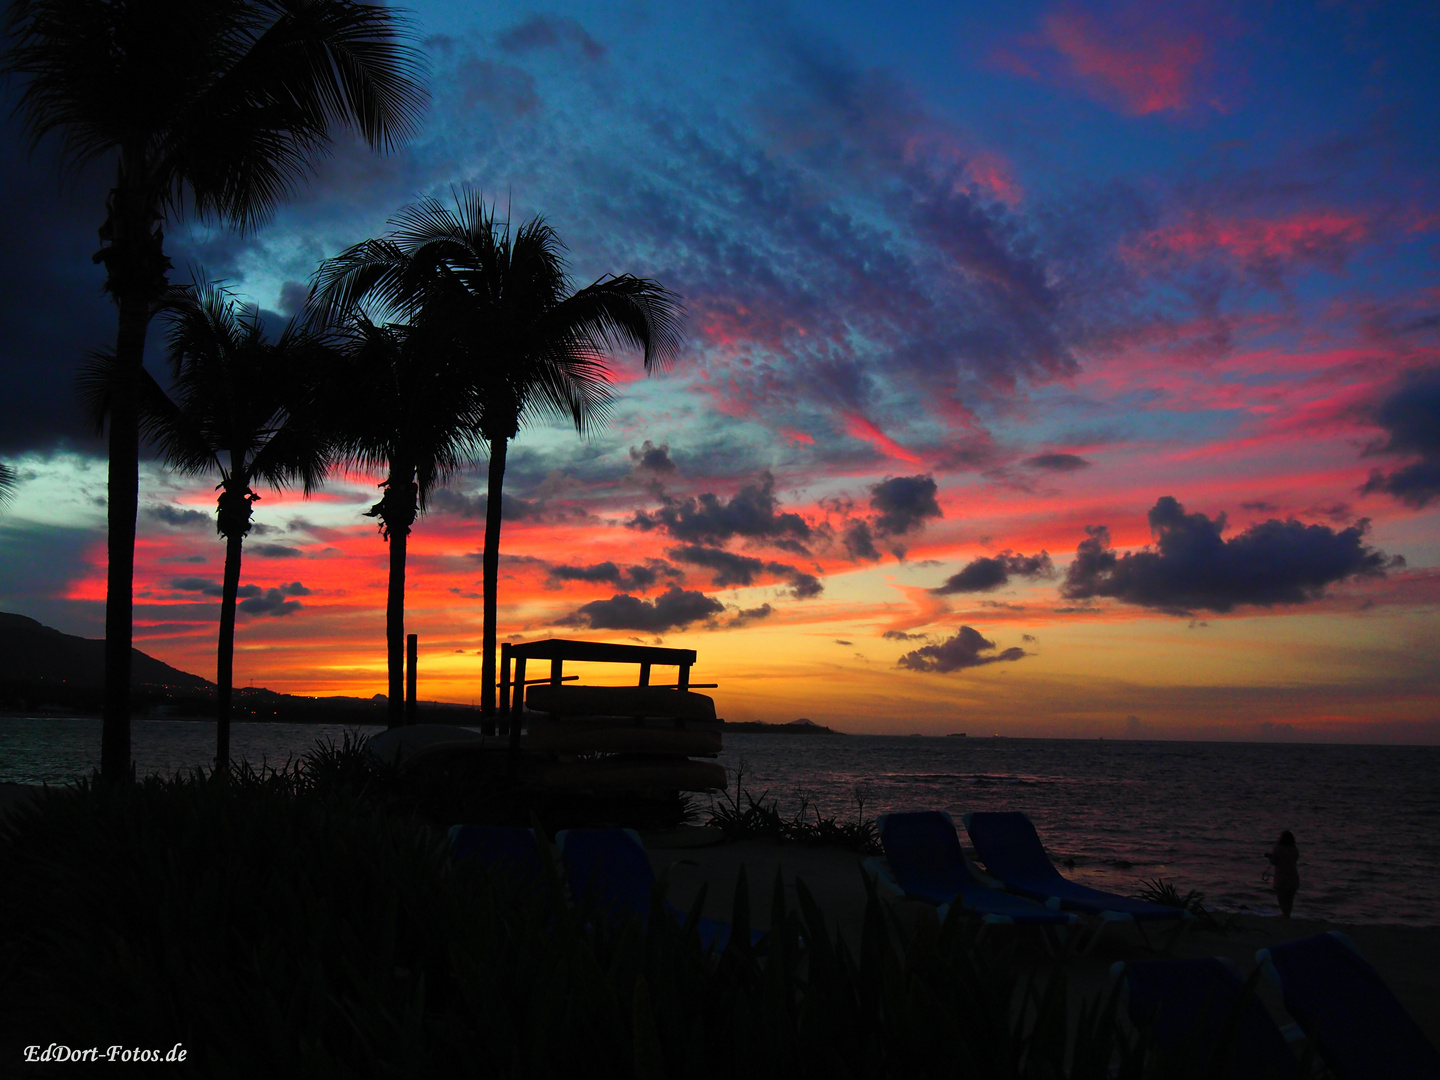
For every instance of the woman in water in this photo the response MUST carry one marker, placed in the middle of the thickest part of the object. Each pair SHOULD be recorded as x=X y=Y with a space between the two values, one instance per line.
x=1284 y=857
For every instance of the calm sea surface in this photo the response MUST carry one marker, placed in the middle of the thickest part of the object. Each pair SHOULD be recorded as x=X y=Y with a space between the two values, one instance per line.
x=1367 y=818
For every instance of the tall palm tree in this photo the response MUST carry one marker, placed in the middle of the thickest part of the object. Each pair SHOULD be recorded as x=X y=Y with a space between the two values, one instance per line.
x=244 y=408
x=215 y=105
x=534 y=348
x=400 y=404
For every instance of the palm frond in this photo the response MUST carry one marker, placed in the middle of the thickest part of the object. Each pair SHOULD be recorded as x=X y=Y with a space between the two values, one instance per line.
x=98 y=381
x=615 y=312
x=240 y=397
x=8 y=483
x=228 y=102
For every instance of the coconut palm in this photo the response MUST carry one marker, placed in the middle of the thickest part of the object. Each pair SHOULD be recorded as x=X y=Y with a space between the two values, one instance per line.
x=218 y=106
x=243 y=408
x=400 y=404
x=534 y=349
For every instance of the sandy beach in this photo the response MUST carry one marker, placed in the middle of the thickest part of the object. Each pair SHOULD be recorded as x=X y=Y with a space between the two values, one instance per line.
x=1408 y=958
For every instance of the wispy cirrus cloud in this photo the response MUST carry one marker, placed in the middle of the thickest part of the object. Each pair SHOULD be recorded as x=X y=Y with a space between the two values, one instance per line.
x=1266 y=248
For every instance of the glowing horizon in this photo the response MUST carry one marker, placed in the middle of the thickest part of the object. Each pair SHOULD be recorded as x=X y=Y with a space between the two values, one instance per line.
x=995 y=319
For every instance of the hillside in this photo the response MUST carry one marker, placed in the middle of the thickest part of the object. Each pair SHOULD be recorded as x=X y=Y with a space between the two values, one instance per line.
x=43 y=671
x=34 y=654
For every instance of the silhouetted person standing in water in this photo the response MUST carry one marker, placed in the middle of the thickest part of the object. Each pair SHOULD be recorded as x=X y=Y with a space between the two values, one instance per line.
x=1285 y=858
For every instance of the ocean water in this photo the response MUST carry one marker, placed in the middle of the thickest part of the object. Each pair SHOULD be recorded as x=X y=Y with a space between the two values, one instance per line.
x=1111 y=813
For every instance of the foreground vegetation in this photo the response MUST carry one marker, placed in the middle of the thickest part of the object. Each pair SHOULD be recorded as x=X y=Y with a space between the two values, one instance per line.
x=290 y=923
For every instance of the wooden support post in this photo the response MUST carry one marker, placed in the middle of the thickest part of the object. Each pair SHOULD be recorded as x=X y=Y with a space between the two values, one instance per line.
x=557 y=668
x=684 y=677
x=505 y=679
x=412 y=649
x=487 y=724
x=645 y=673
x=517 y=710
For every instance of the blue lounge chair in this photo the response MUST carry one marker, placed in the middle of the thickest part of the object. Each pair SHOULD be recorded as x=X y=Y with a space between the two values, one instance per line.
x=511 y=850
x=1347 y=1012
x=609 y=868
x=928 y=864
x=1205 y=1021
x=1010 y=849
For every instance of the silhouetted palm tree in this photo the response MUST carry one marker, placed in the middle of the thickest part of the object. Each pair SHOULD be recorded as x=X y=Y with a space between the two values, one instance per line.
x=8 y=481
x=533 y=348
x=400 y=404
x=218 y=105
x=243 y=407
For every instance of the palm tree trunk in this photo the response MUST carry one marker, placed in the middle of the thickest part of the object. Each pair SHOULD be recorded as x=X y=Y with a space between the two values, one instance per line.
x=395 y=627
x=491 y=564
x=225 y=653
x=121 y=506
x=135 y=268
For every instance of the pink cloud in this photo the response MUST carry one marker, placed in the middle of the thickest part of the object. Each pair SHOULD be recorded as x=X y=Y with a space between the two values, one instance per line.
x=992 y=173
x=1129 y=60
x=856 y=426
x=1323 y=236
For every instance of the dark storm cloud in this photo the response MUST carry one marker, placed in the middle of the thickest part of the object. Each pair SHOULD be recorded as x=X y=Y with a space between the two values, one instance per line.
x=293 y=296
x=732 y=569
x=201 y=585
x=253 y=600
x=959 y=652
x=746 y=616
x=639 y=577
x=448 y=501
x=990 y=572
x=273 y=602
x=1273 y=562
x=1411 y=417
x=498 y=87
x=860 y=542
x=1061 y=463
x=178 y=517
x=902 y=504
x=655 y=459
x=729 y=568
x=751 y=513
x=671 y=610
x=901 y=635
x=550 y=32
x=34 y=586
x=274 y=551
x=54 y=310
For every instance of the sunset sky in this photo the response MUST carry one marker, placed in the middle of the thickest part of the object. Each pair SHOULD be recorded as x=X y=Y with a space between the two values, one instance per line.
x=1050 y=369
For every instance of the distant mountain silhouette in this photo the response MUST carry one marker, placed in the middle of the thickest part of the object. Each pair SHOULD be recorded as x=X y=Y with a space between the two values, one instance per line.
x=32 y=653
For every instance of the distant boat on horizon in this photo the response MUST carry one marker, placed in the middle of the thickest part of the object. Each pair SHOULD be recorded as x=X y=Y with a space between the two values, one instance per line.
x=956 y=735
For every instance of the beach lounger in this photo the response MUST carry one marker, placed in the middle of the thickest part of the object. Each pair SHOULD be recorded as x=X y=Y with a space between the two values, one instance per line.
x=507 y=850
x=1205 y=1021
x=926 y=862
x=609 y=868
x=1347 y=1012
x=1010 y=849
